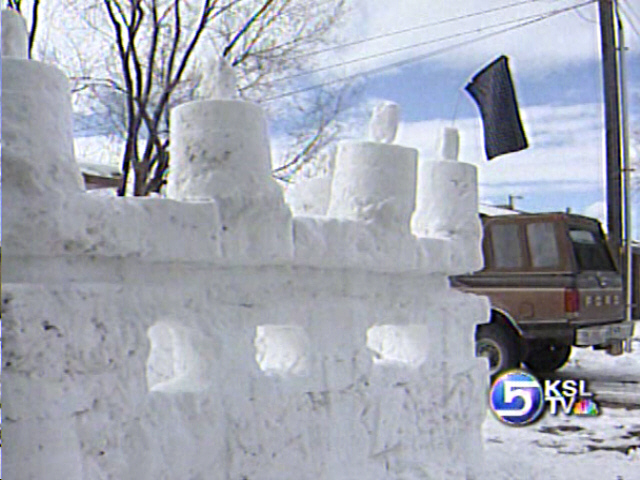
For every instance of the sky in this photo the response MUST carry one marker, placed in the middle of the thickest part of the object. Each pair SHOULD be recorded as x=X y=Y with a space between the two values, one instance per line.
x=555 y=64
x=555 y=67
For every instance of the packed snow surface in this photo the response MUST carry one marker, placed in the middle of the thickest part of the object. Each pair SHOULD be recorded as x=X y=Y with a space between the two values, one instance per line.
x=606 y=447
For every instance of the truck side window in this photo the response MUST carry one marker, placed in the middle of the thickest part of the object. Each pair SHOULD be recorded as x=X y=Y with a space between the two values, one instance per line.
x=590 y=250
x=543 y=245
x=505 y=245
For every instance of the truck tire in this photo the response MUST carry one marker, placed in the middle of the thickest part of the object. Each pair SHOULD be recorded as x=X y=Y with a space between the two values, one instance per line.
x=547 y=357
x=499 y=346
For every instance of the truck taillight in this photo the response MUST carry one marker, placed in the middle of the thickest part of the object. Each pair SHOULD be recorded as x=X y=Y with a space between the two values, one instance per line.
x=571 y=300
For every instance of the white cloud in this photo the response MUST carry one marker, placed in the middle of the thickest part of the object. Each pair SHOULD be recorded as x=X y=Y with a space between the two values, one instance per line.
x=597 y=210
x=566 y=146
x=549 y=44
x=565 y=157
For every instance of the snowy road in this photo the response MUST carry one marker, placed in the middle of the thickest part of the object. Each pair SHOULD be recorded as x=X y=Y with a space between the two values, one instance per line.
x=610 y=389
x=617 y=393
x=606 y=447
x=614 y=380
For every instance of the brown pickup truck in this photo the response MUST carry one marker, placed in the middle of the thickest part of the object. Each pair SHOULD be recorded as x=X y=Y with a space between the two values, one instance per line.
x=552 y=284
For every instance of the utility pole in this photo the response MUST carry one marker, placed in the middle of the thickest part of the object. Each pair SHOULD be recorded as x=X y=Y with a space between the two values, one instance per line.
x=612 y=125
x=626 y=168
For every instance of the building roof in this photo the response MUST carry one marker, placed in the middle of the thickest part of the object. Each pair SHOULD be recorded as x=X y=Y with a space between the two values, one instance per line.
x=98 y=175
x=492 y=210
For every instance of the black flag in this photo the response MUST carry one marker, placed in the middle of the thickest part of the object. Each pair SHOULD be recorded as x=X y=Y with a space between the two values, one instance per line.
x=492 y=89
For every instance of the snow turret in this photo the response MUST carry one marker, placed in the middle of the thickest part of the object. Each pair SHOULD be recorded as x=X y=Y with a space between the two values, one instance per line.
x=220 y=151
x=37 y=131
x=447 y=202
x=375 y=182
x=38 y=164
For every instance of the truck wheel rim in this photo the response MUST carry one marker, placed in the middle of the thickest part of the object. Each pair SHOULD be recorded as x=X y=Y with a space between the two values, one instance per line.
x=492 y=352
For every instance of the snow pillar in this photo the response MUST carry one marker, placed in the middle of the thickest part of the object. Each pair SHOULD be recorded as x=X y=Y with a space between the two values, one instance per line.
x=374 y=182
x=448 y=144
x=14 y=35
x=39 y=169
x=38 y=166
x=37 y=132
x=447 y=203
x=220 y=151
x=220 y=148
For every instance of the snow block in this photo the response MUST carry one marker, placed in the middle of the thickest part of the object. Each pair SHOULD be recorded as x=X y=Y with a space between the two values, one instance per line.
x=37 y=131
x=339 y=243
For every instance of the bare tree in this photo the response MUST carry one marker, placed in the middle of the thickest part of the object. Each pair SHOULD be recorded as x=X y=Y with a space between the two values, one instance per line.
x=33 y=26
x=315 y=131
x=158 y=46
x=151 y=76
x=272 y=65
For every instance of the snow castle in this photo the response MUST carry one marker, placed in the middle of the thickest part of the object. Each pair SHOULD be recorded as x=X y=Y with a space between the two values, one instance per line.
x=214 y=335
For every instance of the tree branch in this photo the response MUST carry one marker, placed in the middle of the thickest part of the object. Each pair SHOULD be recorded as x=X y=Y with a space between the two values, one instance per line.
x=131 y=148
x=172 y=82
x=174 y=46
x=34 y=26
x=152 y=50
x=246 y=27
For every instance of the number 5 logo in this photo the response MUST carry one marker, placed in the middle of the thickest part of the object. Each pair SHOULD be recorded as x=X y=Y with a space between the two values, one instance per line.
x=516 y=398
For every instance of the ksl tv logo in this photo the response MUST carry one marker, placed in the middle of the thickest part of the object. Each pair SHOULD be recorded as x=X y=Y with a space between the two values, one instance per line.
x=518 y=398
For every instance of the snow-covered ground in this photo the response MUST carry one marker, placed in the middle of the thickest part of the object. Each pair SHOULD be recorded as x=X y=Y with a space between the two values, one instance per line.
x=606 y=447
x=597 y=364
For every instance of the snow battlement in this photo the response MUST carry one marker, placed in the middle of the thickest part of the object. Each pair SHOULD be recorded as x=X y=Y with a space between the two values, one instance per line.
x=213 y=334
x=223 y=206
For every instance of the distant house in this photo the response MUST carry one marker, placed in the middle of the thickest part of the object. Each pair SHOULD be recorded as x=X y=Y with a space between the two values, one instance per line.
x=100 y=176
x=495 y=210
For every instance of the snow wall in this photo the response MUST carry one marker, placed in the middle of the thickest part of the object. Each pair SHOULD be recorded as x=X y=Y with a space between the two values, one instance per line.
x=213 y=335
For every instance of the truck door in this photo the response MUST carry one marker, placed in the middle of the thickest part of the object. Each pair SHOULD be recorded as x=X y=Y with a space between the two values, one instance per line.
x=531 y=274
x=547 y=274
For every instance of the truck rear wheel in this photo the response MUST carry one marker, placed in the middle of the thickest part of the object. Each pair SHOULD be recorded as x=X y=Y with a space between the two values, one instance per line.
x=498 y=346
x=547 y=357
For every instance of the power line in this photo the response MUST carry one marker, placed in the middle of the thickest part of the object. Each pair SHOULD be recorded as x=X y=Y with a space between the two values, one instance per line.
x=407 y=30
x=396 y=32
x=632 y=10
x=408 y=47
x=433 y=53
x=413 y=29
x=581 y=15
x=630 y=20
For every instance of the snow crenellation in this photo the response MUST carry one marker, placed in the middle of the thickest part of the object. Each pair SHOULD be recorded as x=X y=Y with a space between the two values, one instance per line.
x=384 y=122
x=215 y=335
